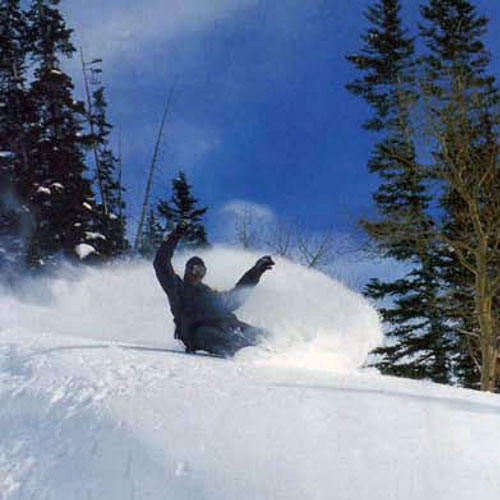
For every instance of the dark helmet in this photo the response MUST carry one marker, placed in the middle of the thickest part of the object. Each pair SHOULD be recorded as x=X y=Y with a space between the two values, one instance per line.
x=195 y=267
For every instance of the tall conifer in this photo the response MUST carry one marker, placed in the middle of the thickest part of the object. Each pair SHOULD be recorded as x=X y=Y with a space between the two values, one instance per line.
x=183 y=206
x=14 y=134
x=13 y=104
x=109 y=222
x=418 y=337
x=61 y=195
x=462 y=99
x=152 y=235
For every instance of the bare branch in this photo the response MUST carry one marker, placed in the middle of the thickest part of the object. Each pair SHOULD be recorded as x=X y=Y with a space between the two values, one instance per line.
x=315 y=249
x=469 y=333
x=280 y=237
x=472 y=353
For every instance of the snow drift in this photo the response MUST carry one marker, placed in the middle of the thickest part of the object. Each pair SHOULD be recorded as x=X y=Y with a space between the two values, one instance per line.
x=92 y=407
x=86 y=423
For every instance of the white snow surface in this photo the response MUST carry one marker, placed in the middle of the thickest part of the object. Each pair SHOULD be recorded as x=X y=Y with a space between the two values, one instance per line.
x=93 y=235
x=44 y=190
x=57 y=186
x=96 y=404
x=83 y=250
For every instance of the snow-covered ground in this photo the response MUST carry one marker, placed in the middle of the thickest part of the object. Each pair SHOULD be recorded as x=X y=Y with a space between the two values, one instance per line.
x=95 y=405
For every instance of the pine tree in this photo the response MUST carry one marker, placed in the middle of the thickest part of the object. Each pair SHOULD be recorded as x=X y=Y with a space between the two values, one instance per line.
x=61 y=196
x=110 y=224
x=458 y=291
x=462 y=101
x=14 y=133
x=152 y=235
x=418 y=336
x=183 y=206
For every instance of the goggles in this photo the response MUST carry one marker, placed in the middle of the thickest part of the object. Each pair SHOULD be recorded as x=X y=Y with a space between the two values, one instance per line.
x=198 y=270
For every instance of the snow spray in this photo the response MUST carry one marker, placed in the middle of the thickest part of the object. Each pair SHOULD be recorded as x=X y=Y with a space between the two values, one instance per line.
x=314 y=321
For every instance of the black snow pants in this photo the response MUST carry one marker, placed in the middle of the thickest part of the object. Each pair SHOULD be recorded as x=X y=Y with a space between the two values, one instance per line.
x=224 y=338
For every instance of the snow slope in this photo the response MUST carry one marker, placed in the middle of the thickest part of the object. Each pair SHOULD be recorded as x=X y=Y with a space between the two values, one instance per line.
x=93 y=407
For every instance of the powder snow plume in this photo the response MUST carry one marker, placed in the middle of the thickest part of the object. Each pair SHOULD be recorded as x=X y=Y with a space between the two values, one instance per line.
x=315 y=322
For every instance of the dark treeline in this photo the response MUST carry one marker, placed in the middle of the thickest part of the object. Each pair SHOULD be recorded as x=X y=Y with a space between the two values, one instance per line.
x=436 y=117
x=61 y=193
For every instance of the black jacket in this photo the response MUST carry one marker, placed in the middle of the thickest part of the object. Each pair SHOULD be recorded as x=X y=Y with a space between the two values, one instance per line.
x=193 y=305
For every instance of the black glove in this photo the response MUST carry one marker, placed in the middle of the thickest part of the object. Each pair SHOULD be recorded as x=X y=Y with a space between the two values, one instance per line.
x=181 y=227
x=264 y=264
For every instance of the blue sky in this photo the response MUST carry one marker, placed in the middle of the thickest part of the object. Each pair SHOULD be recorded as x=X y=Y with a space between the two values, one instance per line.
x=260 y=112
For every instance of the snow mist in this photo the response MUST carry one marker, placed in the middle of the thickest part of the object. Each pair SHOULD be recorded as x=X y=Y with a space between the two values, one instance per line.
x=314 y=321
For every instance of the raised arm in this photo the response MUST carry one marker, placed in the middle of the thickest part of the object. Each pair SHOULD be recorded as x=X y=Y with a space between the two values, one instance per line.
x=163 y=261
x=234 y=298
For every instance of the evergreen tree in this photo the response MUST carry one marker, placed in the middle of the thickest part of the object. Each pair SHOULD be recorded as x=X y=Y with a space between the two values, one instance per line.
x=61 y=196
x=462 y=110
x=15 y=218
x=418 y=337
x=152 y=235
x=110 y=223
x=13 y=107
x=458 y=290
x=14 y=133
x=183 y=206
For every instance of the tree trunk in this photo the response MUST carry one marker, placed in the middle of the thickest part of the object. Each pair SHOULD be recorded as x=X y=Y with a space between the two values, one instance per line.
x=489 y=366
x=489 y=342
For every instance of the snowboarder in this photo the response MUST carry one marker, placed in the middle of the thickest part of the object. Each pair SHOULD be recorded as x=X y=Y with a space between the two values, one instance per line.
x=204 y=319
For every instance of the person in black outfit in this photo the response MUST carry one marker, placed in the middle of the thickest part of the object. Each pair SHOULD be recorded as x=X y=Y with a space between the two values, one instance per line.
x=204 y=319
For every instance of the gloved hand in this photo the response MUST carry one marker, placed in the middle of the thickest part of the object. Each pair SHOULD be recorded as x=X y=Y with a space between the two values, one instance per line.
x=264 y=264
x=181 y=227
x=178 y=231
